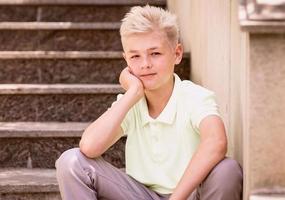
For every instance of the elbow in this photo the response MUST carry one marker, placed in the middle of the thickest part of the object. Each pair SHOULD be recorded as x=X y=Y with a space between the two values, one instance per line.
x=222 y=147
x=90 y=150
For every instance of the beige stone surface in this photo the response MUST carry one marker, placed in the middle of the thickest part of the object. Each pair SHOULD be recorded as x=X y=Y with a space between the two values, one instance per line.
x=266 y=197
x=266 y=111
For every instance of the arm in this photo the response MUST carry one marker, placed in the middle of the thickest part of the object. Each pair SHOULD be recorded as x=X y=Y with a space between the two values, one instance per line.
x=106 y=130
x=211 y=150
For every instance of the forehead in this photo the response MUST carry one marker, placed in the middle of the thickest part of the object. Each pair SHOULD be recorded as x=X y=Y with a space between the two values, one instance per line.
x=145 y=41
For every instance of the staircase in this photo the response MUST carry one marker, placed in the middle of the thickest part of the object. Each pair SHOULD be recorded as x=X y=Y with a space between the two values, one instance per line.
x=59 y=68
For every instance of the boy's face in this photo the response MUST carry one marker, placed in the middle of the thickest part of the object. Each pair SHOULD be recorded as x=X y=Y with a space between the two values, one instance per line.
x=152 y=58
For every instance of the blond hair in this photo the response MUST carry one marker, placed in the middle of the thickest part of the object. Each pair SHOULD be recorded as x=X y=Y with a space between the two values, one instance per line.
x=149 y=18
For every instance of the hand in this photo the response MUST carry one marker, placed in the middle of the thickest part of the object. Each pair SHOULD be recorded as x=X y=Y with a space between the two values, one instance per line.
x=130 y=82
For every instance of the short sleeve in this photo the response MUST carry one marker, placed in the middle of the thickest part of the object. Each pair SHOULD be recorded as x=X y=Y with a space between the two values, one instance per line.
x=205 y=105
x=127 y=121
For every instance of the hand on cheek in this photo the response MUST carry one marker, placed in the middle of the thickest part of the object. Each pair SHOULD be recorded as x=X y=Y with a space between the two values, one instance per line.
x=129 y=81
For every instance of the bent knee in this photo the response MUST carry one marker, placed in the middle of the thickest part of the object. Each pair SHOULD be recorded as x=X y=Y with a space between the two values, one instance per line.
x=67 y=159
x=228 y=173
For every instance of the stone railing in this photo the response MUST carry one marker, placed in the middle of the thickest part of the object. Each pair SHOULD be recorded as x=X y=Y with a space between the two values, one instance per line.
x=264 y=124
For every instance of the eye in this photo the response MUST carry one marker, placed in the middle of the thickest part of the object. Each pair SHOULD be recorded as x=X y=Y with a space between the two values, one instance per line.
x=134 y=56
x=155 y=53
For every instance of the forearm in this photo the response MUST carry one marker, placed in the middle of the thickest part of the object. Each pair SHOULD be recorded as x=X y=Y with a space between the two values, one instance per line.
x=206 y=157
x=103 y=132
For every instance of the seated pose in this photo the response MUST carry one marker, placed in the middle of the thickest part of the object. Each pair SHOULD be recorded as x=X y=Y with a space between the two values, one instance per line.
x=176 y=140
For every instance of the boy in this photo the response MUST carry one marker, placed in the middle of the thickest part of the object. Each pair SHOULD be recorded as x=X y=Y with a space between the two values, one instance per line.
x=176 y=142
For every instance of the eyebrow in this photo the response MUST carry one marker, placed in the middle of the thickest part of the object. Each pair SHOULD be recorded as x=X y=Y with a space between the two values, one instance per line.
x=135 y=51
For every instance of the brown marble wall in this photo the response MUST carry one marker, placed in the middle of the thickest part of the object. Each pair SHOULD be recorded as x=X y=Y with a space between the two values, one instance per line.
x=66 y=13
x=43 y=152
x=53 y=107
x=59 y=40
x=96 y=71
x=18 y=13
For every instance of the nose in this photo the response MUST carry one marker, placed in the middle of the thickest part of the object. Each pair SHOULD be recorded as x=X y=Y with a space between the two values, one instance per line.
x=146 y=63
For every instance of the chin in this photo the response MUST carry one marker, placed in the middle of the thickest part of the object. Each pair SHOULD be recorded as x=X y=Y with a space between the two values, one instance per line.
x=150 y=88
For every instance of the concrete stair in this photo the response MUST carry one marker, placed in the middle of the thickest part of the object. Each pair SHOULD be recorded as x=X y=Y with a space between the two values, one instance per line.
x=39 y=144
x=50 y=67
x=59 y=68
x=26 y=184
x=27 y=102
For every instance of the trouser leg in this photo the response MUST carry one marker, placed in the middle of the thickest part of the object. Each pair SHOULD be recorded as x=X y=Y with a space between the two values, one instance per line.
x=82 y=178
x=224 y=182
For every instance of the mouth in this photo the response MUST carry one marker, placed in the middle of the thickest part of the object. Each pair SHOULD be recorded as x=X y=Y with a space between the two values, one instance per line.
x=147 y=75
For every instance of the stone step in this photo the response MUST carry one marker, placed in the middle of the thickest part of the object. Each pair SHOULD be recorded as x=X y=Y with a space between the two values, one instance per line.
x=99 y=12
x=57 y=36
x=32 y=184
x=43 y=67
x=55 y=102
x=59 y=25
x=82 y=2
x=38 y=145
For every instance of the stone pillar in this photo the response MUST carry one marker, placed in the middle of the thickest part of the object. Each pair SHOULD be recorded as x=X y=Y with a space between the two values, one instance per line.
x=264 y=100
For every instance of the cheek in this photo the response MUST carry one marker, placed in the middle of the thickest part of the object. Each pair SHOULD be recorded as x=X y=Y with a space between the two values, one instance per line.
x=134 y=70
x=134 y=65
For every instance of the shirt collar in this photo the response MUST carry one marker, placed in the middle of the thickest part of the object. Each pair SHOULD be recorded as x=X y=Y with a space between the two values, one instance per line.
x=168 y=114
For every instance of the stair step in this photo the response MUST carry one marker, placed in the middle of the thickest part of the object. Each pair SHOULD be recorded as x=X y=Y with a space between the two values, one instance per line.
x=41 y=130
x=55 y=102
x=59 y=25
x=82 y=2
x=27 y=180
x=32 y=184
x=60 y=89
x=38 y=145
x=100 y=12
x=60 y=54
x=42 y=67
x=60 y=40
x=267 y=197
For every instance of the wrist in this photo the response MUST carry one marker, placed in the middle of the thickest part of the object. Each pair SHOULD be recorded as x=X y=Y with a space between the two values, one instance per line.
x=136 y=92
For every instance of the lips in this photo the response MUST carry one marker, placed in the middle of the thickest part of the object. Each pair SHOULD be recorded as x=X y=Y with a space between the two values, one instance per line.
x=146 y=75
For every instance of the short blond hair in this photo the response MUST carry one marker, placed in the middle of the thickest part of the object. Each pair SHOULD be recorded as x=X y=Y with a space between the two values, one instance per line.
x=150 y=18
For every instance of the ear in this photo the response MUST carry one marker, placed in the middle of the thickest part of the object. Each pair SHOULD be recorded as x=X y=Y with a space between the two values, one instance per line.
x=124 y=56
x=178 y=53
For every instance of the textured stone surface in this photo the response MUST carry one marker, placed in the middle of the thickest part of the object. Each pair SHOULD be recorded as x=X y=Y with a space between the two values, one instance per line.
x=61 y=71
x=62 y=108
x=58 y=89
x=67 y=13
x=82 y=2
x=41 y=129
x=83 y=13
x=61 y=40
x=18 y=13
x=265 y=138
x=23 y=180
x=69 y=71
x=43 y=152
x=31 y=196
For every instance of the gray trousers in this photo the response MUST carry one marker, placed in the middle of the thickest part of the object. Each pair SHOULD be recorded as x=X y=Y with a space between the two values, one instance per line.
x=82 y=178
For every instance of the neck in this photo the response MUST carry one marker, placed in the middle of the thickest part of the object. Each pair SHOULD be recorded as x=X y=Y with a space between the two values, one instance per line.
x=157 y=99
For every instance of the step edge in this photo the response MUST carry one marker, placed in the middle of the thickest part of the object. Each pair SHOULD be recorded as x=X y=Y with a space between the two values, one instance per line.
x=49 y=186
x=60 y=25
x=61 y=55
x=82 y=2
x=42 y=129
x=66 y=55
x=60 y=89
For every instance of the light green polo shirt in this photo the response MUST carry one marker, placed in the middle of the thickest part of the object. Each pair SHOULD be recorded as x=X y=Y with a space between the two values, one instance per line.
x=159 y=150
